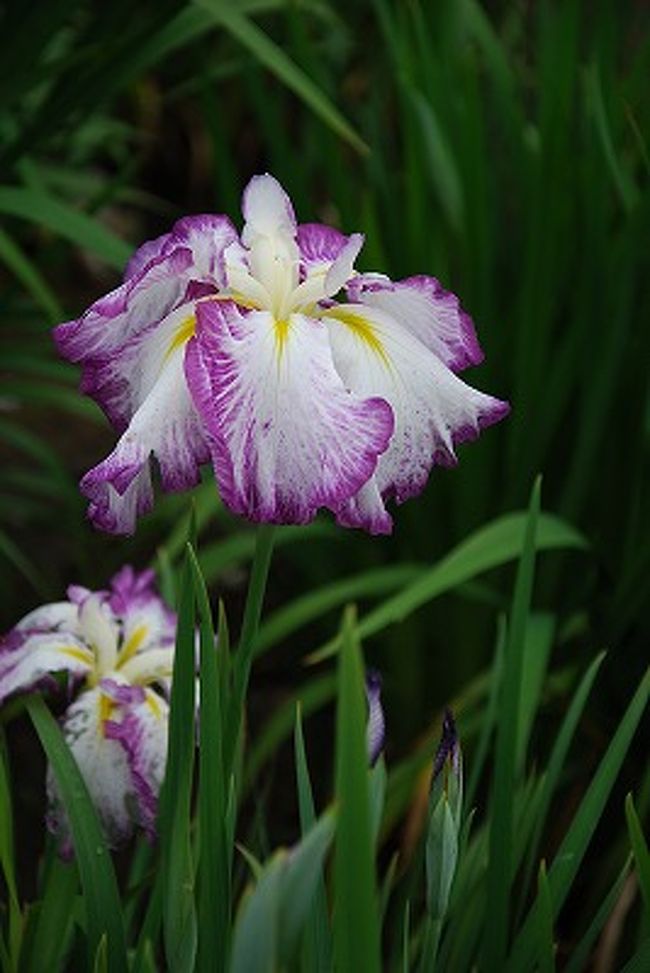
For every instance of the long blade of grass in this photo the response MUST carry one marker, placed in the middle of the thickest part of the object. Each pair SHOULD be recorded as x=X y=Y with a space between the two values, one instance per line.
x=179 y=918
x=558 y=757
x=100 y=891
x=572 y=849
x=579 y=959
x=356 y=915
x=640 y=851
x=491 y=546
x=50 y=925
x=7 y=863
x=317 y=946
x=20 y=265
x=369 y=584
x=245 y=650
x=500 y=863
x=77 y=227
x=213 y=872
x=269 y=54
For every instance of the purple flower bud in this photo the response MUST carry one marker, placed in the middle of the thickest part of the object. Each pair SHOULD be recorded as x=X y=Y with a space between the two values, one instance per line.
x=448 y=755
x=376 y=727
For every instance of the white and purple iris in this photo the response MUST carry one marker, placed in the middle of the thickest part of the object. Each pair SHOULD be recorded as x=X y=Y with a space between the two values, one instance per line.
x=232 y=349
x=117 y=647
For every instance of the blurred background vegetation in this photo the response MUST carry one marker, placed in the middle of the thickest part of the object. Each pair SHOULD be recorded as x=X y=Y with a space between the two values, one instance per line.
x=501 y=146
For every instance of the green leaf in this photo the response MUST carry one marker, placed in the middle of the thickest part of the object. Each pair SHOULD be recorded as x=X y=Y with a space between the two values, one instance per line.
x=558 y=757
x=640 y=850
x=301 y=881
x=272 y=915
x=369 y=584
x=50 y=923
x=317 y=947
x=213 y=869
x=579 y=959
x=271 y=56
x=640 y=961
x=546 y=948
x=540 y=632
x=20 y=265
x=7 y=863
x=491 y=546
x=100 y=892
x=572 y=849
x=356 y=906
x=500 y=861
x=179 y=918
x=243 y=658
x=77 y=227
x=255 y=941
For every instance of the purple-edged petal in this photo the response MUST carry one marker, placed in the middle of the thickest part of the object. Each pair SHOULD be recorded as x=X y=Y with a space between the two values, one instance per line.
x=116 y=318
x=434 y=410
x=28 y=658
x=104 y=767
x=376 y=725
x=141 y=729
x=118 y=736
x=146 y=254
x=57 y=616
x=425 y=308
x=113 y=336
x=286 y=435
x=319 y=246
x=166 y=426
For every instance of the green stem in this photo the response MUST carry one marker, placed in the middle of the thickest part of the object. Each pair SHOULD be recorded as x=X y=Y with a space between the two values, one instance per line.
x=245 y=649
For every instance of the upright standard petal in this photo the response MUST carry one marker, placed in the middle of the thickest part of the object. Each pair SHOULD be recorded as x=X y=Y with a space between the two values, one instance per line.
x=434 y=410
x=285 y=434
x=267 y=210
x=424 y=307
x=147 y=622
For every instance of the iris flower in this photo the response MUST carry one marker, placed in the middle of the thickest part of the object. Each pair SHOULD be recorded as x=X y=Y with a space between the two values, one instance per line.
x=236 y=350
x=117 y=647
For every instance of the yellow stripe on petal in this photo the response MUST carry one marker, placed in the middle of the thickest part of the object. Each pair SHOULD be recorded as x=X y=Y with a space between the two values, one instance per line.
x=153 y=703
x=362 y=328
x=106 y=707
x=132 y=644
x=183 y=333
x=281 y=328
x=81 y=655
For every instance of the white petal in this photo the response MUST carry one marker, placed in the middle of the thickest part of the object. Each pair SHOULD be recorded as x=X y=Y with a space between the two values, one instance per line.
x=28 y=658
x=166 y=426
x=343 y=267
x=100 y=630
x=152 y=665
x=118 y=737
x=424 y=307
x=59 y=615
x=267 y=210
x=287 y=437
x=434 y=410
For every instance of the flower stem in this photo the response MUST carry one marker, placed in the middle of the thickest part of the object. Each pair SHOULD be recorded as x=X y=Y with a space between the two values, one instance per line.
x=250 y=624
